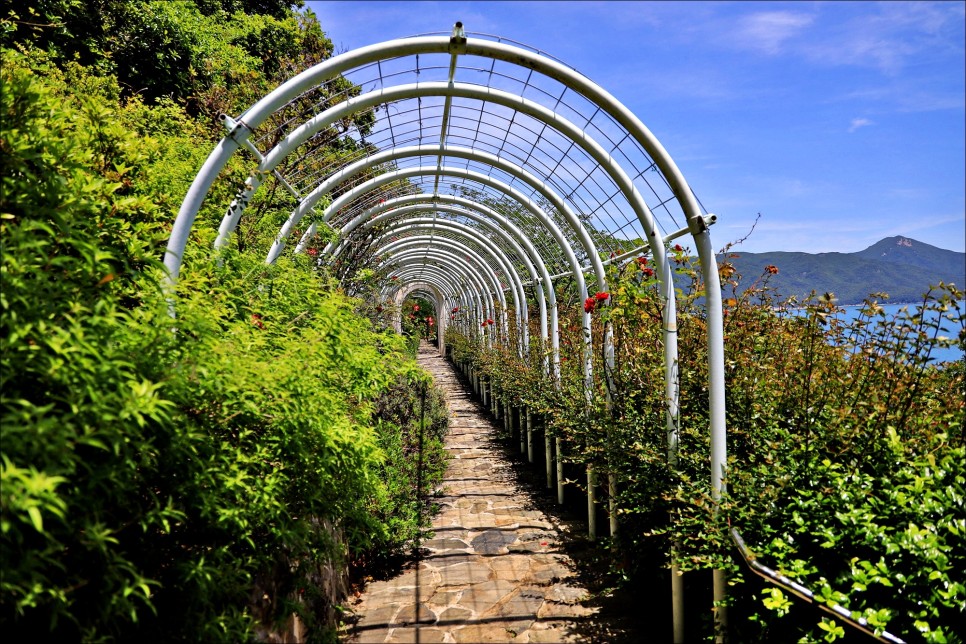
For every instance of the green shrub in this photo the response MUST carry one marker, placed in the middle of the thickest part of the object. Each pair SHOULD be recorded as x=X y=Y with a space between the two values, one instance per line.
x=846 y=449
x=157 y=473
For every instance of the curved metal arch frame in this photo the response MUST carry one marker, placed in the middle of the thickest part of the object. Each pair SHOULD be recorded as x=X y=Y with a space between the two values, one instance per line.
x=439 y=279
x=532 y=207
x=493 y=291
x=448 y=294
x=522 y=311
x=517 y=291
x=469 y=296
x=545 y=294
x=520 y=104
x=481 y=281
x=483 y=305
x=352 y=105
x=524 y=258
x=517 y=196
x=242 y=129
x=307 y=129
x=440 y=301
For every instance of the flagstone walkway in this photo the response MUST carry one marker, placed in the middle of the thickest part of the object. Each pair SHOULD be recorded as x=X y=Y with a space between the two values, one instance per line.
x=494 y=571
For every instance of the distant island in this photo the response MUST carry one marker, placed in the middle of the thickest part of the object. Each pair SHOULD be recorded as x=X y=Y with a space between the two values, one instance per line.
x=902 y=267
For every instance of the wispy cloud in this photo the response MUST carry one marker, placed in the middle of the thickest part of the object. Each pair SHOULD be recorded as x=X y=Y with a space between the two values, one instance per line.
x=910 y=95
x=924 y=223
x=770 y=30
x=906 y=193
x=857 y=123
x=890 y=39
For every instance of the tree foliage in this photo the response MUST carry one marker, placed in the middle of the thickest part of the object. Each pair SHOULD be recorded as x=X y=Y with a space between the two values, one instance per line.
x=213 y=56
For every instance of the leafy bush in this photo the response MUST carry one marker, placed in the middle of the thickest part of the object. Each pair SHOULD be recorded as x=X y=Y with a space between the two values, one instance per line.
x=155 y=478
x=846 y=448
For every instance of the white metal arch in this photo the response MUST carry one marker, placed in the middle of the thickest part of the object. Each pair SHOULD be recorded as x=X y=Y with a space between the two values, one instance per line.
x=533 y=208
x=420 y=244
x=449 y=294
x=258 y=113
x=463 y=290
x=462 y=293
x=437 y=281
x=306 y=130
x=499 y=232
x=483 y=305
x=594 y=149
x=440 y=301
x=482 y=280
x=429 y=224
x=492 y=220
x=516 y=287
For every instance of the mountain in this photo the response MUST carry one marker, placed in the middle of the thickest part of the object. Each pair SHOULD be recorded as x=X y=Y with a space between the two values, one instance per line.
x=902 y=267
x=902 y=250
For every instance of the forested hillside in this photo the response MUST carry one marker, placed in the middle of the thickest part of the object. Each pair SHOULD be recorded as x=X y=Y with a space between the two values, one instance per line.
x=901 y=267
x=204 y=478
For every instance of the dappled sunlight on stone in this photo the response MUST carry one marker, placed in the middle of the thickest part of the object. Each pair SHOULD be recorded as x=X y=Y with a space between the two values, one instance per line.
x=492 y=571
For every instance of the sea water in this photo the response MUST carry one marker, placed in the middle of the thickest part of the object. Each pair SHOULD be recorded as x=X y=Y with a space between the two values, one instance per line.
x=948 y=328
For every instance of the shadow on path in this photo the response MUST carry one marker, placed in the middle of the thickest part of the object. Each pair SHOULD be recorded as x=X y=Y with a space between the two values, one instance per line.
x=504 y=564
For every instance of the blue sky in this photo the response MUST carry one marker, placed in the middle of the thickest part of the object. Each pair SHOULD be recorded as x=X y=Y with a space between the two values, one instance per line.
x=840 y=122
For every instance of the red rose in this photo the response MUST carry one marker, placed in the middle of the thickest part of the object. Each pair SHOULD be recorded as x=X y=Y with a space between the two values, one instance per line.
x=772 y=269
x=601 y=296
x=589 y=305
x=678 y=248
x=642 y=261
x=648 y=272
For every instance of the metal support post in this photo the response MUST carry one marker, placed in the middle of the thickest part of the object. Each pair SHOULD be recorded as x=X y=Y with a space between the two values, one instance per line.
x=612 y=502
x=560 y=471
x=548 y=448
x=529 y=417
x=677 y=598
x=591 y=502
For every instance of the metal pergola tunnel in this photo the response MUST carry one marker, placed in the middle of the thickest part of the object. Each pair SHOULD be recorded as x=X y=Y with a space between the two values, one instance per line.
x=488 y=171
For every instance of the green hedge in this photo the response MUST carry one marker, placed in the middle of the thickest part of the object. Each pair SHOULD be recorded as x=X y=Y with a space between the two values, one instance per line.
x=847 y=453
x=157 y=474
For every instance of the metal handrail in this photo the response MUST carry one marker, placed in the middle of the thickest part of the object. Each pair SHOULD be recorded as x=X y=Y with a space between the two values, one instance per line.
x=802 y=592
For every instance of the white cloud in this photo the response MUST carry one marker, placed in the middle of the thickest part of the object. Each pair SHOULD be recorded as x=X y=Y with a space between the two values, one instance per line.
x=857 y=123
x=769 y=30
x=890 y=38
x=909 y=95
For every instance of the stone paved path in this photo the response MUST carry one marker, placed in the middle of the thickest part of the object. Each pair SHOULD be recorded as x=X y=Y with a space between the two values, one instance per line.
x=494 y=572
